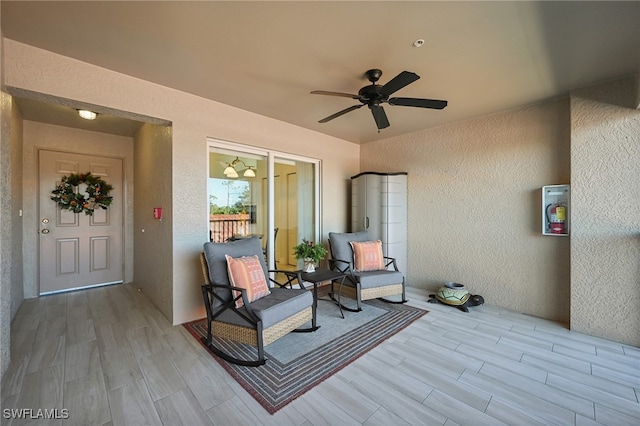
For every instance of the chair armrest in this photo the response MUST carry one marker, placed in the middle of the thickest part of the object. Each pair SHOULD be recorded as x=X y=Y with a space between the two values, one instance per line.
x=340 y=265
x=208 y=289
x=391 y=261
x=292 y=277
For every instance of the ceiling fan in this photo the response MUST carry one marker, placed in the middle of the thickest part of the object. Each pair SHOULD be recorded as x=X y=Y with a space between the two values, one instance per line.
x=374 y=95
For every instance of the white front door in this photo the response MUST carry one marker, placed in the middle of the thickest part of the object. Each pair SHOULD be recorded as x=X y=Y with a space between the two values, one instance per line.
x=79 y=250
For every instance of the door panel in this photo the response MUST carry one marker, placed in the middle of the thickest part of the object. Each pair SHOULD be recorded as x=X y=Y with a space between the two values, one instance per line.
x=78 y=250
x=68 y=253
x=99 y=253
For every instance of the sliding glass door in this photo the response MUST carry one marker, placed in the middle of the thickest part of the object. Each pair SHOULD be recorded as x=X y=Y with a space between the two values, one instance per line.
x=271 y=195
x=295 y=213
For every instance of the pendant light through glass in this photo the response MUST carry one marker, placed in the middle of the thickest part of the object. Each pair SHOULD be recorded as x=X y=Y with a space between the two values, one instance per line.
x=231 y=172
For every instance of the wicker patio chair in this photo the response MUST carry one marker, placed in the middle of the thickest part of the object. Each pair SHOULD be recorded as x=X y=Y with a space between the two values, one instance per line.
x=385 y=280
x=258 y=322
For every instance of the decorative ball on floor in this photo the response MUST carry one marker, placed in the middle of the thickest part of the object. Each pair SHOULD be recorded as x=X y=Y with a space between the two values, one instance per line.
x=455 y=294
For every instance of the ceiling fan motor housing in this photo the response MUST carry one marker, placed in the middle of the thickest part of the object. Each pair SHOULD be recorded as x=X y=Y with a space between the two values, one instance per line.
x=371 y=95
x=373 y=75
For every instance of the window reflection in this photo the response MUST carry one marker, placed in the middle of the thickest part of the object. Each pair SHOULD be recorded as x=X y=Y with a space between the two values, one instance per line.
x=239 y=202
x=231 y=209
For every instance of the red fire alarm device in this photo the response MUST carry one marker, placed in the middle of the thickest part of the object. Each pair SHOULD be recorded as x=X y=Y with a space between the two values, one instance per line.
x=157 y=212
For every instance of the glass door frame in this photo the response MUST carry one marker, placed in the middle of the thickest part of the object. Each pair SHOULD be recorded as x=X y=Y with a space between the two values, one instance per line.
x=271 y=156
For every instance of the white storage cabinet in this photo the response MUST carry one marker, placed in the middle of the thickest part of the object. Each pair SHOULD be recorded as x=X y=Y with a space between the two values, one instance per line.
x=379 y=205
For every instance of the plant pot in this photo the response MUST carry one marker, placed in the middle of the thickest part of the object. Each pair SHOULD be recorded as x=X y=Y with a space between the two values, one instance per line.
x=309 y=265
x=453 y=294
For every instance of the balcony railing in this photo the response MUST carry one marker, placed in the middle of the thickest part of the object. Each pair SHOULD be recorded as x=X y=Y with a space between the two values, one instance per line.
x=224 y=226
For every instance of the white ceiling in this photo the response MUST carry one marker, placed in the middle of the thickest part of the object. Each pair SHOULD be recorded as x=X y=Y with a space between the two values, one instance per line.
x=265 y=57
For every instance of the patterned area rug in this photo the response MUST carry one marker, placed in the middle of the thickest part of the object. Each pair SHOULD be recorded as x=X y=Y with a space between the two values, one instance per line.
x=299 y=361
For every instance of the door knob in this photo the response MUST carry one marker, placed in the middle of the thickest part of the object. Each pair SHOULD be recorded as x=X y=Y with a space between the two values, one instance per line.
x=45 y=220
x=45 y=231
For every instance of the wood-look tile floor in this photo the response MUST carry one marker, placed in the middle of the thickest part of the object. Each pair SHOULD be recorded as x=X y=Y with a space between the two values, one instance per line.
x=109 y=357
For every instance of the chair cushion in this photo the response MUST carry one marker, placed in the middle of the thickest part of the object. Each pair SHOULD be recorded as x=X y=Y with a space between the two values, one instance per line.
x=246 y=272
x=340 y=247
x=279 y=305
x=367 y=256
x=217 y=262
x=373 y=279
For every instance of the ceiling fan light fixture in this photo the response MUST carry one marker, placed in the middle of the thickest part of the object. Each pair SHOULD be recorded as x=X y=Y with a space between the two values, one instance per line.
x=87 y=115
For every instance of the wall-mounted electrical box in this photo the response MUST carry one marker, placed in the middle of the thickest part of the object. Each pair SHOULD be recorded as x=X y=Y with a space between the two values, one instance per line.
x=556 y=210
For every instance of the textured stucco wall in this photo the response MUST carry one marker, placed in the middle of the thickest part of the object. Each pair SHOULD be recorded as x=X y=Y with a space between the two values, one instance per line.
x=605 y=242
x=5 y=282
x=39 y=136
x=636 y=104
x=5 y=233
x=193 y=119
x=16 y=223
x=153 y=173
x=475 y=208
x=11 y=290
x=10 y=295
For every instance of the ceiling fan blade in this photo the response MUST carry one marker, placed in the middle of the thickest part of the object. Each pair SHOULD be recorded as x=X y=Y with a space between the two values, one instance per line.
x=398 y=82
x=339 y=113
x=344 y=95
x=421 y=103
x=380 y=117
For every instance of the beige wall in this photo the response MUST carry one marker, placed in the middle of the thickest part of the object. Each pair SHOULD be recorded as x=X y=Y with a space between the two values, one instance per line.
x=153 y=238
x=5 y=236
x=474 y=209
x=5 y=231
x=475 y=206
x=16 y=197
x=636 y=103
x=11 y=290
x=605 y=242
x=193 y=119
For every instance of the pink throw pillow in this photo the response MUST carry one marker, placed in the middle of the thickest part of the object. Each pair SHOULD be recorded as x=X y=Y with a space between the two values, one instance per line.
x=246 y=272
x=367 y=256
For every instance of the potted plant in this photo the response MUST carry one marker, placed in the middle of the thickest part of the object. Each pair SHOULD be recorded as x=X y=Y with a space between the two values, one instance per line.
x=311 y=253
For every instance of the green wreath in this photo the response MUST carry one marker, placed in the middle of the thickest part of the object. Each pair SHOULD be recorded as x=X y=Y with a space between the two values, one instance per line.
x=67 y=196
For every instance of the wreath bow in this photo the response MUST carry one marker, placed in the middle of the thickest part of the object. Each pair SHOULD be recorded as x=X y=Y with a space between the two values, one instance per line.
x=68 y=197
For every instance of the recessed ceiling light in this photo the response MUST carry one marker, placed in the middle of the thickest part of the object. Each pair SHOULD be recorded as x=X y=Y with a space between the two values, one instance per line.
x=87 y=115
x=418 y=43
